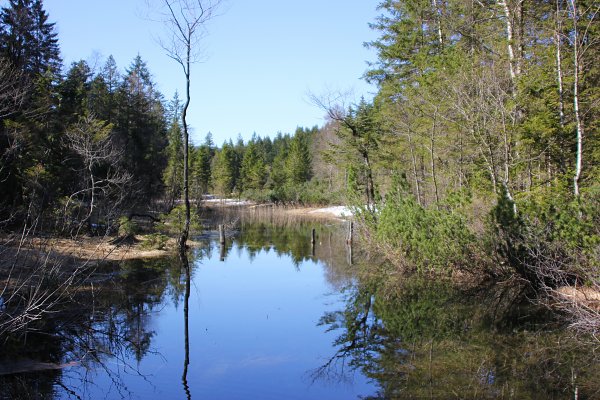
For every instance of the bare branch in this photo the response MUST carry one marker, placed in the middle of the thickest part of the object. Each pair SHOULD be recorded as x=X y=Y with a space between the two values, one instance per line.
x=13 y=89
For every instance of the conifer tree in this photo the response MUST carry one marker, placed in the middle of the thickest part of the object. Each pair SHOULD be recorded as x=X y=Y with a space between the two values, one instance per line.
x=253 y=171
x=28 y=39
x=298 y=162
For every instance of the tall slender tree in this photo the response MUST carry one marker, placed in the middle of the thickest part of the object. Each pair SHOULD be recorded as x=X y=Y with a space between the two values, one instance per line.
x=185 y=22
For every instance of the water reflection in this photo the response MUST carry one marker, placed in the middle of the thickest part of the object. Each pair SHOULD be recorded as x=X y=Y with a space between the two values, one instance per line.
x=186 y=330
x=249 y=330
x=106 y=323
x=108 y=330
x=430 y=339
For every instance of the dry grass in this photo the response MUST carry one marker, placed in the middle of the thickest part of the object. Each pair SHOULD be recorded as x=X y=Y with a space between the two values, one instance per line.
x=580 y=296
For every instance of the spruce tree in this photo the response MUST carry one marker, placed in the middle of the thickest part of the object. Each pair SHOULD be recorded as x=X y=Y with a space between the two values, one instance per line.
x=28 y=39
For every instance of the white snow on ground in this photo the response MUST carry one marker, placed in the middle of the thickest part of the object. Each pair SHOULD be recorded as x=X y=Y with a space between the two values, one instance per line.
x=338 y=211
x=228 y=202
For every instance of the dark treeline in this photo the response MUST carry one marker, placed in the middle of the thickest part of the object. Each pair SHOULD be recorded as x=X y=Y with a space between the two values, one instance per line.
x=77 y=144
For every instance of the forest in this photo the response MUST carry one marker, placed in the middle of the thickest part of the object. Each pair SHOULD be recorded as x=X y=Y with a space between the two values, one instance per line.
x=479 y=154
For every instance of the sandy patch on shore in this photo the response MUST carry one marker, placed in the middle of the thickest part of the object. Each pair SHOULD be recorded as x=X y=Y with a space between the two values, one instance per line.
x=85 y=249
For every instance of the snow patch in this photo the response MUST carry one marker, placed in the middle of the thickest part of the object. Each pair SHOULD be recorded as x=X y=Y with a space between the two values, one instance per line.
x=228 y=202
x=338 y=211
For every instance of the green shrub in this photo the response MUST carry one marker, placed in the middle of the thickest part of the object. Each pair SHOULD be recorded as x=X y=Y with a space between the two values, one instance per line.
x=127 y=227
x=173 y=222
x=553 y=240
x=155 y=241
x=427 y=238
x=308 y=193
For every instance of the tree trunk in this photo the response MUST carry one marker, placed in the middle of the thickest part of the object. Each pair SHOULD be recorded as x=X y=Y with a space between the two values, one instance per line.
x=414 y=168
x=437 y=15
x=559 y=76
x=432 y=154
x=513 y=65
x=186 y=194
x=370 y=184
x=578 y=121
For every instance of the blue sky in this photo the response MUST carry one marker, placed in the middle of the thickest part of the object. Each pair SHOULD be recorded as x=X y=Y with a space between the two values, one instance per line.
x=262 y=57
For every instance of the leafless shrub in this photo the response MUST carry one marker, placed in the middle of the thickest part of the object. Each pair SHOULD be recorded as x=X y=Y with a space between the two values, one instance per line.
x=34 y=280
x=91 y=141
x=569 y=280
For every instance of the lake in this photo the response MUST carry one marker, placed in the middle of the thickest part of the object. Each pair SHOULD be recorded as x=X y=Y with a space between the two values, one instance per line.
x=270 y=316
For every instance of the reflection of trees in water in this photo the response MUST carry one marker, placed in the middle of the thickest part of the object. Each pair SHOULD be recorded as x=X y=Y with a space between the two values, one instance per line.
x=108 y=322
x=430 y=340
x=186 y=331
x=290 y=235
x=105 y=324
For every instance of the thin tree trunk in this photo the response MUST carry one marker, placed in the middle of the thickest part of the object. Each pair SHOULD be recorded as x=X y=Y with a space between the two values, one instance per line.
x=93 y=190
x=438 y=21
x=185 y=20
x=507 y=160
x=186 y=193
x=460 y=160
x=559 y=75
x=432 y=153
x=579 y=122
x=433 y=165
x=186 y=330
x=509 y=40
x=521 y=21
x=370 y=184
x=414 y=168
x=515 y=71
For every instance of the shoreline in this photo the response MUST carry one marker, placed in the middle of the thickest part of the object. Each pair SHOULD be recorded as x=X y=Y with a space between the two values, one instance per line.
x=337 y=212
x=84 y=249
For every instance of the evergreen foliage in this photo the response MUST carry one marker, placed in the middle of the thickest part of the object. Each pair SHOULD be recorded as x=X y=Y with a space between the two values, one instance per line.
x=44 y=152
x=487 y=109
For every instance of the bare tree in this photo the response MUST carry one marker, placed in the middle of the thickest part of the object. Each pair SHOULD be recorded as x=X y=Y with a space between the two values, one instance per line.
x=13 y=89
x=185 y=23
x=359 y=138
x=90 y=140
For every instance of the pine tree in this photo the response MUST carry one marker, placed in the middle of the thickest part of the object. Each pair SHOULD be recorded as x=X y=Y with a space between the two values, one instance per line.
x=225 y=170
x=298 y=162
x=29 y=50
x=74 y=92
x=253 y=171
x=201 y=168
x=141 y=128
x=104 y=89
x=27 y=39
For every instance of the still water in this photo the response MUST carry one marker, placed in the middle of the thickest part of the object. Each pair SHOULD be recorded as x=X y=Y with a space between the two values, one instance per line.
x=272 y=317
